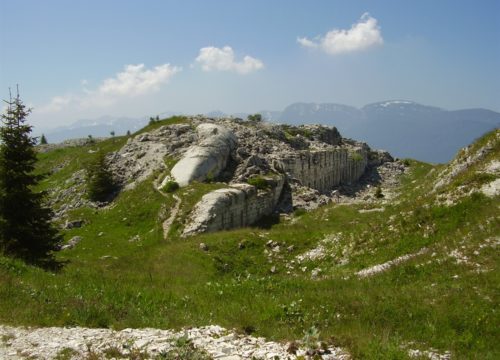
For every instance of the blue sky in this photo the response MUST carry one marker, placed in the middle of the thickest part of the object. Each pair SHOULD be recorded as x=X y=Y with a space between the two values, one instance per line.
x=82 y=59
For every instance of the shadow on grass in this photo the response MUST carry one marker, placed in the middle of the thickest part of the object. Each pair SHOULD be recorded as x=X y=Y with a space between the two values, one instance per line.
x=267 y=222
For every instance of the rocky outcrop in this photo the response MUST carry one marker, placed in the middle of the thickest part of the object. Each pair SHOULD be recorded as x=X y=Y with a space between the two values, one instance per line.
x=237 y=206
x=208 y=157
x=145 y=153
x=475 y=169
x=311 y=160
x=324 y=169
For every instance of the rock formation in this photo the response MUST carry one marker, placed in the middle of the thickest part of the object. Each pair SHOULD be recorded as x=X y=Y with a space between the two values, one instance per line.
x=285 y=159
x=237 y=206
x=208 y=157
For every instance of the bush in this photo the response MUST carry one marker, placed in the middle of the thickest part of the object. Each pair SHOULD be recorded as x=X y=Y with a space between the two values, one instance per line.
x=378 y=193
x=255 y=118
x=259 y=182
x=299 y=212
x=171 y=186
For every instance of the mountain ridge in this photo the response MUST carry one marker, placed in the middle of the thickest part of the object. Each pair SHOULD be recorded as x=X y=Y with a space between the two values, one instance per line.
x=403 y=127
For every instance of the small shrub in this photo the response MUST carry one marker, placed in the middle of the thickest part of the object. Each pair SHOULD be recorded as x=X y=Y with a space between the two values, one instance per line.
x=112 y=353
x=299 y=212
x=184 y=350
x=311 y=339
x=66 y=354
x=259 y=182
x=356 y=157
x=210 y=177
x=378 y=193
x=171 y=186
x=100 y=183
x=255 y=118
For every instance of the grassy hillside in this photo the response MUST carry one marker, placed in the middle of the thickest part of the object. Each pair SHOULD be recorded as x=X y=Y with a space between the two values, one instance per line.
x=270 y=279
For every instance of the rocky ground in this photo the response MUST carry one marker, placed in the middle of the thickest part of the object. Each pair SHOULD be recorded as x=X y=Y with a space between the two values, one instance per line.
x=211 y=342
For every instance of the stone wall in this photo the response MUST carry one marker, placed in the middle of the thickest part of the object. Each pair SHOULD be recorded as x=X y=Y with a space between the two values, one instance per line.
x=324 y=169
x=237 y=206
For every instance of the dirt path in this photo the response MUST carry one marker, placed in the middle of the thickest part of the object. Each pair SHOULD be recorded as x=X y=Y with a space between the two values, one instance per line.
x=175 y=210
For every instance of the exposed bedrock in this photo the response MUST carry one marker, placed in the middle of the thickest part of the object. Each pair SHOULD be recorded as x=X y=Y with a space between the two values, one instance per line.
x=208 y=157
x=233 y=207
x=324 y=169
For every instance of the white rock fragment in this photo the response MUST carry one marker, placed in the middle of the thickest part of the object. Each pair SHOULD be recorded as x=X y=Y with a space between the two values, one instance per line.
x=373 y=270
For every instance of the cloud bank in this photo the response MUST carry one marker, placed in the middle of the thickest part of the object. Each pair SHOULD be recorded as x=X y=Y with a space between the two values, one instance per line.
x=216 y=59
x=362 y=35
x=134 y=80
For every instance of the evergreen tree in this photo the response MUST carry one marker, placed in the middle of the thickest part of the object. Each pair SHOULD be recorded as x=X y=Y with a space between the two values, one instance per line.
x=255 y=118
x=26 y=230
x=43 y=140
x=100 y=183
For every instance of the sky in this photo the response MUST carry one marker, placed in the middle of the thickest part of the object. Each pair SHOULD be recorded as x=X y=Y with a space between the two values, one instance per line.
x=84 y=59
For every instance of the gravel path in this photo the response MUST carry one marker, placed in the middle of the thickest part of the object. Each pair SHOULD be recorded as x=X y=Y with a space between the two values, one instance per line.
x=80 y=343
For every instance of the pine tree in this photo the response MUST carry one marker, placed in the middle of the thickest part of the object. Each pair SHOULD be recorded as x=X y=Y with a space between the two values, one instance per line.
x=100 y=183
x=43 y=140
x=26 y=230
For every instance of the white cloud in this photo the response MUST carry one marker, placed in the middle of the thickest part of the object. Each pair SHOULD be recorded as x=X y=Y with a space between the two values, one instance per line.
x=133 y=81
x=57 y=103
x=213 y=58
x=362 y=35
x=136 y=80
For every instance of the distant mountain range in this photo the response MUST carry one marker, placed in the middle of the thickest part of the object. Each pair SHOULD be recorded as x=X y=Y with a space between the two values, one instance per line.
x=404 y=128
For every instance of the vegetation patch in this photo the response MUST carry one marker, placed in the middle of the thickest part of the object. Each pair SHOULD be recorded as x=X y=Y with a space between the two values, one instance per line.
x=259 y=182
x=171 y=186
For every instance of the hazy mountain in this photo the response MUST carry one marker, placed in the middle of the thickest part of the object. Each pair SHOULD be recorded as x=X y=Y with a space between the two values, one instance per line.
x=100 y=127
x=346 y=117
x=404 y=128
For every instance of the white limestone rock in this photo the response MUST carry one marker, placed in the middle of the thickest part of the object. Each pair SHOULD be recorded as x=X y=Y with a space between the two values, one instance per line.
x=236 y=206
x=208 y=157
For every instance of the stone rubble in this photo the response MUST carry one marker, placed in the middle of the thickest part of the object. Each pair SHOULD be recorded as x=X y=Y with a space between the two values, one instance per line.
x=376 y=269
x=219 y=343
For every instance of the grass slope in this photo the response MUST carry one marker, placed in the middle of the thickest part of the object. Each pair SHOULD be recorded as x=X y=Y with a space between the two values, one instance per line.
x=124 y=274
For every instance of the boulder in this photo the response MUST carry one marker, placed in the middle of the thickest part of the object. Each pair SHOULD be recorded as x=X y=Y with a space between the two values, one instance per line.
x=207 y=158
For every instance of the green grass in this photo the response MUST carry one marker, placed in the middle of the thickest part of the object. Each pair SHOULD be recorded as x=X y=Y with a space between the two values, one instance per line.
x=163 y=122
x=124 y=274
